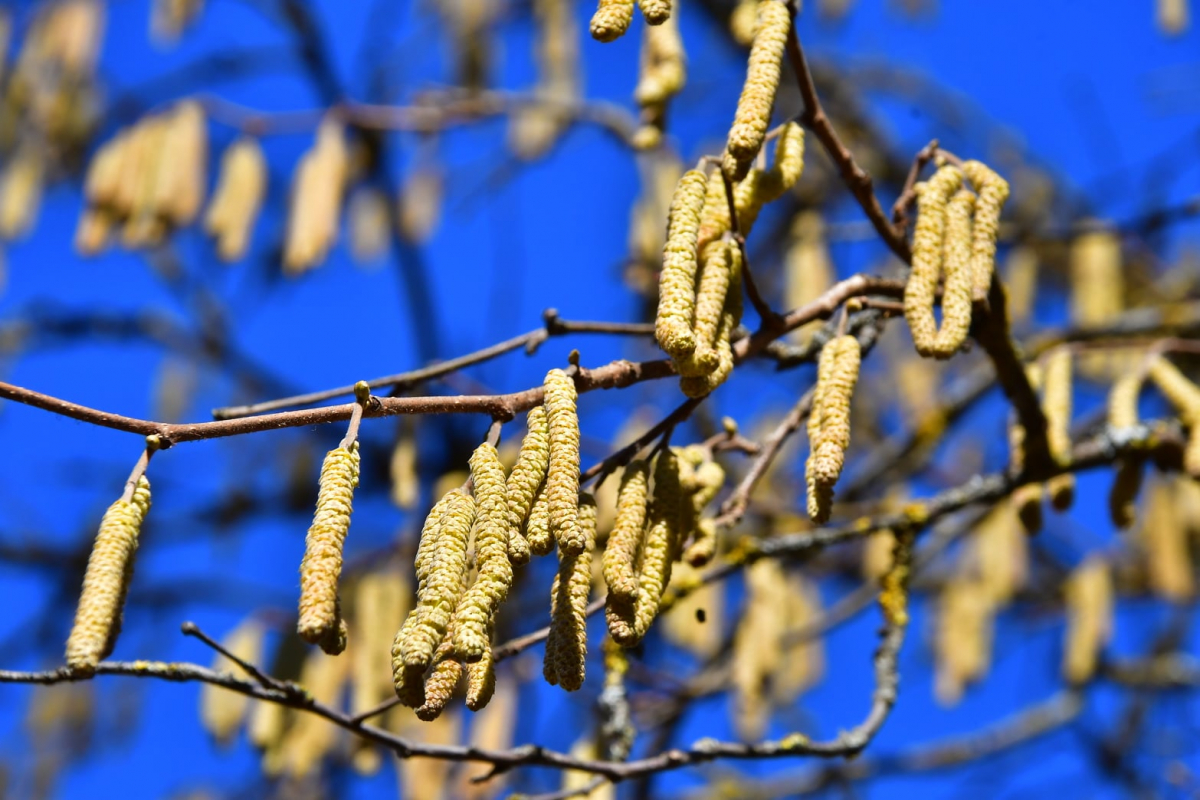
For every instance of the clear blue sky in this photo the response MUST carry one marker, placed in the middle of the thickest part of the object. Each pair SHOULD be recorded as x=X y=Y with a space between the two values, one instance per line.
x=1091 y=91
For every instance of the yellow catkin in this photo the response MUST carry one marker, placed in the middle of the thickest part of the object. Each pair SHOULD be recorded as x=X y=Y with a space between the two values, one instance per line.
x=624 y=543
x=808 y=271
x=481 y=680
x=441 y=565
x=695 y=621
x=1173 y=16
x=1127 y=477
x=1020 y=280
x=1089 y=598
x=676 y=303
x=439 y=687
x=1056 y=402
x=756 y=646
x=803 y=664
x=222 y=711
x=731 y=315
x=656 y=12
x=893 y=582
x=928 y=253
x=743 y=22
x=828 y=447
x=1027 y=499
x=381 y=600
x=322 y=565
x=106 y=581
x=241 y=187
x=562 y=475
x=316 y=199
x=1185 y=397
x=527 y=476
x=477 y=608
x=1163 y=538
x=957 y=267
x=611 y=20
x=369 y=219
x=662 y=540
x=1001 y=553
x=758 y=93
x=21 y=191
x=402 y=469
x=537 y=527
x=1097 y=285
x=964 y=638
x=663 y=64
x=311 y=738
x=169 y=18
x=566 y=646
x=993 y=191
x=877 y=554
x=180 y=182
x=711 y=291
x=420 y=204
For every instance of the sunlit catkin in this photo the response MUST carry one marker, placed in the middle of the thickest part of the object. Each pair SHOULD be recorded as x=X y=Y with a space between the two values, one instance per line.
x=21 y=190
x=537 y=527
x=1163 y=539
x=1097 y=290
x=527 y=476
x=473 y=617
x=993 y=191
x=1173 y=16
x=753 y=114
x=311 y=738
x=1001 y=553
x=481 y=680
x=440 y=570
x=829 y=434
x=625 y=540
x=562 y=475
x=316 y=199
x=1056 y=402
x=663 y=64
x=928 y=254
x=611 y=20
x=222 y=711
x=964 y=638
x=180 y=180
x=566 y=646
x=662 y=540
x=677 y=286
x=106 y=581
x=322 y=565
x=1127 y=477
x=1020 y=281
x=743 y=21
x=1089 y=598
x=711 y=291
x=807 y=269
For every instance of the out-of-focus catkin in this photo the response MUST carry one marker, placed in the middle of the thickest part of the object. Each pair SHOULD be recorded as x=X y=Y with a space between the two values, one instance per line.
x=527 y=476
x=1185 y=397
x=1056 y=403
x=829 y=422
x=964 y=638
x=320 y=615
x=1127 y=477
x=222 y=711
x=676 y=303
x=1162 y=537
x=663 y=65
x=476 y=609
x=929 y=249
x=1173 y=16
x=241 y=187
x=106 y=581
x=566 y=646
x=1089 y=597
x=316 y=199
x=808 y=271
x=562 y=476
x=611 y=20
x=753 y=114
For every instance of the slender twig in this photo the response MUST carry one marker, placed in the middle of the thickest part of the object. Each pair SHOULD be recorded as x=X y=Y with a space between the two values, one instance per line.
x=908 y=193
x=192 y=629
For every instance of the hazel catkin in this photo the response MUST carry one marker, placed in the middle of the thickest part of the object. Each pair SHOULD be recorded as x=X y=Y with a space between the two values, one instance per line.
x=566 y=646
x=537 y=527
x=758 y=93
x=611 y=20
x=673 y=324
x=1089 y=597
x=662 y=540
x=241 y=187
x=829 y=434
x=1127 y=478
x=527 y=476
x=473 y=617
x=320 y=616
x=993 y=191
x=928 y=254
x=656 y=12
x=562 y=476
x=106 y=581
x=624 y=542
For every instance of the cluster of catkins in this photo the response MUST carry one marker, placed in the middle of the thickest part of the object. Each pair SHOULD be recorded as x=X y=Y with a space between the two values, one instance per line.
x=700 y=298
x=148 y=179
x=612 y=17
x=954 y=243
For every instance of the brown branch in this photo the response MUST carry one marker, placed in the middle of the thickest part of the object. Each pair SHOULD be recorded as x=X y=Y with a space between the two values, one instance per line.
x=908 y=194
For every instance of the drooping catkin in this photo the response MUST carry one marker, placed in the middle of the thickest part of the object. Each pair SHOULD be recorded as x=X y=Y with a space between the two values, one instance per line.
x=964 y=638
x=829 y=436
x=311 y=739
x=566 y=646
x=481 y=679
x=993 y=191
x=711 y=291
x=316 y=199
x=241 y=187
x=440 y=685
x=808 y=271
x=1001 y=553
x=222 y=711
x=959 y=279
x=180 y=179
x=1026 y=499
x=928 y=254
x=1020 y=281
x=663 y=69
x=1127 y=478
x=476 y=609
x=656 y=12
x=440 y=570
x=662 y=542
x=1173 y=16
x=106 y=581
x=381 y=599
x=537 y=527
x=1185 y=397
x=611 y=20
x=1056 y=402
x=756 y=646
x=676 y=303
x=419 y=206
x=320 y=615
x=731 y=315
x=694 y=622
x=527 y=476
x=743 y=21
x=1089 y=599
x=21 y=190
x=624 y=543
x=562 y=475
x=1162 y=537
x=1097 y=292
x=753 y=114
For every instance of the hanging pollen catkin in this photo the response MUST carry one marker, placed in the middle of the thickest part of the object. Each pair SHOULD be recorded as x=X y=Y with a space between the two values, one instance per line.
x=562 y=475
x=440 y=685
x=624 y=543
x=758 y=93
x=1127 y=479
x=241 y=187
x=441 y=565
x=663 y=66
x=320 y=616
x=993 y=191
x=481 y=679
x=731 y=315
x=829 y=432
x=1026 y=499
x=179 y=184
x=929 y=249
x=966 y=617
x=1163 y=538
x=1056 y=403
x=477 y=608
x=106 y=581
x=662 y=542
x=527 y=476
x=537 y=527
x=673 y=325
x=1185 y=397
x=611 y=20
x=316 y=199
x=656 y=12
x=566 y=646
x=1089 y=596
x=222 y=711
x=711 y=291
